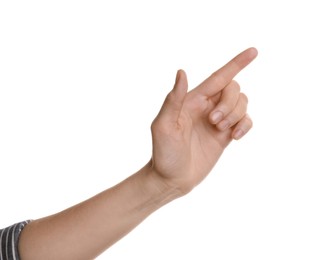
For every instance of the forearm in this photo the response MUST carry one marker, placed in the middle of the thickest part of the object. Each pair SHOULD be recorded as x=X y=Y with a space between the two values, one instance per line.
x=87 y=229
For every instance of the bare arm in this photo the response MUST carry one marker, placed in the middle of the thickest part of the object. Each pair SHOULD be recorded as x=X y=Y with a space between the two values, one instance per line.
x=87 y=229
x=189 y=135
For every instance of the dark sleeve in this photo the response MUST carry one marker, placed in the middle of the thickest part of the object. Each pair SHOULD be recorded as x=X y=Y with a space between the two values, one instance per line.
x=9 y=238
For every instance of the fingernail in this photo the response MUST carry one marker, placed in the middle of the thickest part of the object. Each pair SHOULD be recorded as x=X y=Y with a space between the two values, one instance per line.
x=238 y=134
x=216 y=117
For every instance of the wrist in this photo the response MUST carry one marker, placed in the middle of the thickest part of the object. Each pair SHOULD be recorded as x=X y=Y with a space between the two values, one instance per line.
x=154 y=187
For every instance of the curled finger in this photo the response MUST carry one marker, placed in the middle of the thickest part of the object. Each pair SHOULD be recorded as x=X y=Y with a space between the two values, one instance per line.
x=235 y=115
x=228 y=100
x=242 y=127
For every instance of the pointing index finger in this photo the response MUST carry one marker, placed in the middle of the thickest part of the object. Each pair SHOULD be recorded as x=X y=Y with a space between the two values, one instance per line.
x=223 y=76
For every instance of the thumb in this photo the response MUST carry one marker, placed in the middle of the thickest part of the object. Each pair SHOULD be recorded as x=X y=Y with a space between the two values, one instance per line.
x=174 y=101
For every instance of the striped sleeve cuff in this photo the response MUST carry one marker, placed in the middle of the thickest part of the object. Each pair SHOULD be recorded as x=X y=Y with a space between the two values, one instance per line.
x=9 y=238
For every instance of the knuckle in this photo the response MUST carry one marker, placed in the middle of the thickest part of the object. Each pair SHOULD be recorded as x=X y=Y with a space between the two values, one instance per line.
x=158 y=126
x=236 y=85
x=244 y=98
x=249 y=121
x=170 y=97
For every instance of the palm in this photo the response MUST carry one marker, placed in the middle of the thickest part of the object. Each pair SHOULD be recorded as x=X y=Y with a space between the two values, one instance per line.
x=193 y=147
x=205 y=139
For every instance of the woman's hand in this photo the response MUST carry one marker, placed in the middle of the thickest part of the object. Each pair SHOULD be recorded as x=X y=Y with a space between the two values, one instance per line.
x=192 y=129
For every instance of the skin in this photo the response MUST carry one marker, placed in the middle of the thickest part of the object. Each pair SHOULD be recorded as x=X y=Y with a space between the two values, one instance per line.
x=189 y=134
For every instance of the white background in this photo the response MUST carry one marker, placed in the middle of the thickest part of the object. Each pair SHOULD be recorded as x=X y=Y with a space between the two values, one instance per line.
x=81 y=82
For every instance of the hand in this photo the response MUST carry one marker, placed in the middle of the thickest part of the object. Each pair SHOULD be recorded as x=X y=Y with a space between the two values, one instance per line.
x=192 y=129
